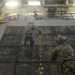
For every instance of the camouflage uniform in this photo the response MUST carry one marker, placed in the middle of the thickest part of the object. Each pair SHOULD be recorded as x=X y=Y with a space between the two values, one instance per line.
x=64 y=53
x=29 y=29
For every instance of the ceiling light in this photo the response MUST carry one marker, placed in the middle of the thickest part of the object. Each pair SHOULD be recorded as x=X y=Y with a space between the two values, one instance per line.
x=34 y=3
x=74 y=3
x=11 y=4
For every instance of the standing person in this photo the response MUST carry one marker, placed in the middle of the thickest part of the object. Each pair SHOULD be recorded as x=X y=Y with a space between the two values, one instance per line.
x=30 y=35
x=65 y=54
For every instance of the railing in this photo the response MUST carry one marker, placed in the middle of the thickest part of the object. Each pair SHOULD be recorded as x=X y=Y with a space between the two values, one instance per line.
x=61 y=15
x=49 y=16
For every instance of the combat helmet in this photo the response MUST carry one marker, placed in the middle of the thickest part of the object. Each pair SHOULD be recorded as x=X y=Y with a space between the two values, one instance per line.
x=59 y=39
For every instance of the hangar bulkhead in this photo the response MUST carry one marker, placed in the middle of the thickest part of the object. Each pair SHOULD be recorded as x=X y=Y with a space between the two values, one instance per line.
x=53 y=17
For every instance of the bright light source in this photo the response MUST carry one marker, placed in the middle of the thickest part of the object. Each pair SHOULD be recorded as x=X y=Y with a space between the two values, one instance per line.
x=11 y=4
x=34 y=3
x=67 y=2
x=74 y=3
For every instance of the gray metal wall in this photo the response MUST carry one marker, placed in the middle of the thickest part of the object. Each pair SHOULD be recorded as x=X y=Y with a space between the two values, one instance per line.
x=52 y=22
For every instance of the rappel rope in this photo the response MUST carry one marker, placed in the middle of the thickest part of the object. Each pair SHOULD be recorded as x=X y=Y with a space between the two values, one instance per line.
x=40 y=54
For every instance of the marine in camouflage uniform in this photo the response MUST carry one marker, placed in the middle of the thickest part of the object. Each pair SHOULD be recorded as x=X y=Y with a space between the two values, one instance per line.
x=29 y=29
x=64 y=54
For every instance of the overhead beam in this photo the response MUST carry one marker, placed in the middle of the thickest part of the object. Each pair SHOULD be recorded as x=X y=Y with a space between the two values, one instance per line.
x=53 y=5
